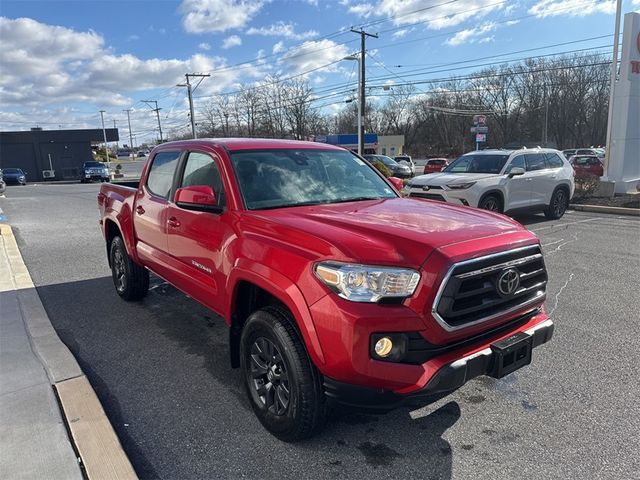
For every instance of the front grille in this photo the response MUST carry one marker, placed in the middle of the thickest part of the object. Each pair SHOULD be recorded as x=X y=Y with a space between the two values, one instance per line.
x=470 y=292
x=428 y=196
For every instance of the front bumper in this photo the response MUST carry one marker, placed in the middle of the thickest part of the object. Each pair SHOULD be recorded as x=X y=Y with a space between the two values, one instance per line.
x=466 y=197
x=451 y=376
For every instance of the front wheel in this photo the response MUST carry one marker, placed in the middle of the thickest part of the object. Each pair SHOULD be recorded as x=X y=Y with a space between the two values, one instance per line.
x=283 y=385
x=558 y=205
x=130 y=279
x=491 y=203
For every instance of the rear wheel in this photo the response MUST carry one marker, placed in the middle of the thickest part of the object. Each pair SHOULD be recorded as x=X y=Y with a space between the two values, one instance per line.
x=558 y=205
x=491 y=203
x=283 y=385
x=130 y=279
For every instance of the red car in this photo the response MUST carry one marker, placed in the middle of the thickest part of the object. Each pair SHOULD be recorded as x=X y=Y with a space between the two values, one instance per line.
x=587 y=165
x=435 y=165
x=335 y=289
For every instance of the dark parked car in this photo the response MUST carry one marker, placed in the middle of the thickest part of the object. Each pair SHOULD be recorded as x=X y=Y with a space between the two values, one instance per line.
x=14 y=176
x=587 y=165
x=397 y=169
x=94 y=171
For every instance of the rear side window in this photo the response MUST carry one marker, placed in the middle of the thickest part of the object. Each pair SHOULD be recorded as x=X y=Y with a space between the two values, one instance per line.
x=201 y=169
x=535 y=161
x=161 y=173
x=554 y=160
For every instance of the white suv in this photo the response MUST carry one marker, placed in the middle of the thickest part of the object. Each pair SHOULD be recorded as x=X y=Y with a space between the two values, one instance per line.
x=502 y=181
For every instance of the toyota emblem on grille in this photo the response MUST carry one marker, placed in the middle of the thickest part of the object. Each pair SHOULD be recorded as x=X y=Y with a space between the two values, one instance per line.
x=426 y=188
x=508 y=282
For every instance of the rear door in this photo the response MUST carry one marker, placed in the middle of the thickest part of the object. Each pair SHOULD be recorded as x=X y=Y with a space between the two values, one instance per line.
x=196 y=238
x=150 y=211
x=538 y=177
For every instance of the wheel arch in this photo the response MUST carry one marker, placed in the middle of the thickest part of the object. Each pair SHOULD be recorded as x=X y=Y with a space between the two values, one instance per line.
x=498 y=193
x=248 y=291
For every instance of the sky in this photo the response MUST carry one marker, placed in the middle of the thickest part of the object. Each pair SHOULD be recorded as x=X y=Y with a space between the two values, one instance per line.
x=61 y=61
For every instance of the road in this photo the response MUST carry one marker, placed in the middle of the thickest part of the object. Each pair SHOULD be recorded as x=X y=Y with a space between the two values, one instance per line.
x=160 y=368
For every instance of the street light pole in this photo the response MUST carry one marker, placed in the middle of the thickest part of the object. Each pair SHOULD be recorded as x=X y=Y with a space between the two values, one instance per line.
x=106 y=150
x=360 y=142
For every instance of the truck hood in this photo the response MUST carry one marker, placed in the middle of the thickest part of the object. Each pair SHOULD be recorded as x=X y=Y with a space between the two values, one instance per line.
x=399 y=231
x=447 y=178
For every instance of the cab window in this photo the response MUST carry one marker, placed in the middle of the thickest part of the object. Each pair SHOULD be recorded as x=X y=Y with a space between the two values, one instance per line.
x=161 y=172
x=535 y=161
x=516 y=162
x=201 y=169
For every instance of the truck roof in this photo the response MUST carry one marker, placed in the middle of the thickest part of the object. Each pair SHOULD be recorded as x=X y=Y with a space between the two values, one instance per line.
x=235 y=144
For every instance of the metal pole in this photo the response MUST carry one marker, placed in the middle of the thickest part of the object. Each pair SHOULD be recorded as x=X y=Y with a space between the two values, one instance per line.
x=130 y=134
x=362 y=80
x=546 y=116
x=614 y=74
x=159 y=126
x=193 y=120
x=106 y=150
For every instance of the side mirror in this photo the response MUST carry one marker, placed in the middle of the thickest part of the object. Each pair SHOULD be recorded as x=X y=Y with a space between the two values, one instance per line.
x=516 y=171
x=397 y=183
x=200 y=198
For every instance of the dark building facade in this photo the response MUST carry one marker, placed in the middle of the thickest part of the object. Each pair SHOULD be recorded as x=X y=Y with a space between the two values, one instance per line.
x=63 y=151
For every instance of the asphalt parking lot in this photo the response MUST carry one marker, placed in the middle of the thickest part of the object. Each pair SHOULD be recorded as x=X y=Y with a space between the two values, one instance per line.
x=161 y=371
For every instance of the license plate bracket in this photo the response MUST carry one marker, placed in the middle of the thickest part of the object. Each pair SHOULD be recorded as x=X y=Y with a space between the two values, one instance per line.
x=511 y=353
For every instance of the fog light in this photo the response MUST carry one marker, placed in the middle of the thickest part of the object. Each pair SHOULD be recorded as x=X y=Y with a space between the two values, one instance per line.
x=383 y=347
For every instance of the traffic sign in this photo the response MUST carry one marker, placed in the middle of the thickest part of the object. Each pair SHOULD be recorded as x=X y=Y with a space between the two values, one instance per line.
x=479 y=129
x=481 y=137
x=480 y=120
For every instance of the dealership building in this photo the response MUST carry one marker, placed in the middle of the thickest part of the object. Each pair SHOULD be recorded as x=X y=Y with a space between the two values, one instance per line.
x=51 y=154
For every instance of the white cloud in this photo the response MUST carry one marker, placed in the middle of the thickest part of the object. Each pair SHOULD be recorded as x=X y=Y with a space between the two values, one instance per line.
x=435 y=14
x=313 y=54
x=133 y=38
x=282 y=29
x=232 y=41
x=278 y=47
x=478 y=34
x=204 y=46
x=362 y=9
x=572 y=8
x=45 y=65
x=201 y=16
x=400 y=33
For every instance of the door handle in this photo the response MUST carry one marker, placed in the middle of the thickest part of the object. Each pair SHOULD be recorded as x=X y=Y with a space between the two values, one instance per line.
x=173 y=222
x=139 y=210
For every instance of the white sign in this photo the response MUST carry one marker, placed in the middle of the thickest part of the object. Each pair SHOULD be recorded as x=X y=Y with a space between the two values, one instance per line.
x=481 y=138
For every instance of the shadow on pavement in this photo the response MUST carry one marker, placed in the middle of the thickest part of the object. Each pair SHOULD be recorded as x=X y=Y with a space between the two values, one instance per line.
x=160 y=367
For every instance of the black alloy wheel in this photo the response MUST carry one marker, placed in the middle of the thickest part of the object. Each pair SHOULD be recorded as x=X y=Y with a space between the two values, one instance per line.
x=491 y=203
x=130 y=279
x=270 y=377
x=559 y=204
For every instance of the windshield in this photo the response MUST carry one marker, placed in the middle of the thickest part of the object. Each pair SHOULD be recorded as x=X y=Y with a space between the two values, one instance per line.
x=93 y=164
x=478 y=163
x=11 y=171
x=289 y=178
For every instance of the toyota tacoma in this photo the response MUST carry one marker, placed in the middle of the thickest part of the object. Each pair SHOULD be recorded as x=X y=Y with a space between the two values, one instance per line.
x=336 y=290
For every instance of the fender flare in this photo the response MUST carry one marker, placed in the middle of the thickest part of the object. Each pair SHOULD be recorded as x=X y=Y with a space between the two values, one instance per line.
x=122 y=221
x=494 y=191
x=285 y=291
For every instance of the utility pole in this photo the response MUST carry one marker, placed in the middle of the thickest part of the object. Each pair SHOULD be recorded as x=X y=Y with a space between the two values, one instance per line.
x=614 y=75
x=190 y=91
x=106 y=150
x=130 y=134
x=546 y=117
x=363 y=36
x=157 y=110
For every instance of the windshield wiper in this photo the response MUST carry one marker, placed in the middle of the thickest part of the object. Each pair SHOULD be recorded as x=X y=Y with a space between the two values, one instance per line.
x=358 y=199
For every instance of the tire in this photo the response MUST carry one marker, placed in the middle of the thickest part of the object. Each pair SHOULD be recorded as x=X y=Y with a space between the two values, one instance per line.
x=130 y=279
x=558 y=205
x=491 y=203
x=282 y=384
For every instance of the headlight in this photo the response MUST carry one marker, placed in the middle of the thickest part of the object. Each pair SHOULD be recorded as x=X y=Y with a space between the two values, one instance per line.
x=363 y=283
x=460 y=186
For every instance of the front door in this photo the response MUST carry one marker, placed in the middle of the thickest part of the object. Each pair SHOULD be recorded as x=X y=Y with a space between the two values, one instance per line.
x=195 y=238
x=518 y=187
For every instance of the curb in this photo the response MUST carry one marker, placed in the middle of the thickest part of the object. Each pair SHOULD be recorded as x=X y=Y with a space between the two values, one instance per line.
x=604 y=209
x=93 y=436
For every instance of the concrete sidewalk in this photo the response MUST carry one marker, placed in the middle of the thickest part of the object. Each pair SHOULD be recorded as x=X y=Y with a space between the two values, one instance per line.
x=51 y=422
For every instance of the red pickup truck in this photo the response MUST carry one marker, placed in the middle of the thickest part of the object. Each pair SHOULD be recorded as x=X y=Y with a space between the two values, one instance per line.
x=336 y=290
